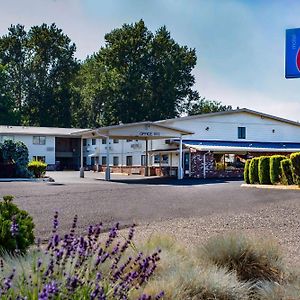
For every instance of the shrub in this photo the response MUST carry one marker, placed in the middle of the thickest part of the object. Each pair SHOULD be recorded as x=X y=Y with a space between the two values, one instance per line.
x=16 y=227
x=38 y=168
x=295 y=160
x=80 y=267
x=264 y=170
x=286 y=172
x=253 y=260
x=246 y=171
x=253 y=170
x=275 y=168
x=18 y=153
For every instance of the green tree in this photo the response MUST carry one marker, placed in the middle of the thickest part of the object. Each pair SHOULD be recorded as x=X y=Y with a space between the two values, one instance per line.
x=136 y=76
x=204 y=106
x=7 y=114
x=40 y=65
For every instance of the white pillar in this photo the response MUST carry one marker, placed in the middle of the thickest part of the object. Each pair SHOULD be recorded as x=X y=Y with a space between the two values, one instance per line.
x=180 y=170
x=147 y=159
x=204 y=165
x=107 y=171
x=81 y=172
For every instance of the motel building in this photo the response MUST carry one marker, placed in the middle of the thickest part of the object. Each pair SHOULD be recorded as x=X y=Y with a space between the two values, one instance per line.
x=213 y=145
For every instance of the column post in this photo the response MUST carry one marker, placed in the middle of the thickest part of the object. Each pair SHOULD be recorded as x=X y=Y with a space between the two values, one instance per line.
x=107 y=171
x=147 y=159
x=81 y=170
x=180 y=170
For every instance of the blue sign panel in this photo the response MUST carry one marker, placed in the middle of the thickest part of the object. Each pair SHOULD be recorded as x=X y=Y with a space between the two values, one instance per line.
x=292 y=53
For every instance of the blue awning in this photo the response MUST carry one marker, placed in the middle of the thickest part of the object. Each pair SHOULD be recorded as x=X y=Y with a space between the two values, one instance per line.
x=241 y=146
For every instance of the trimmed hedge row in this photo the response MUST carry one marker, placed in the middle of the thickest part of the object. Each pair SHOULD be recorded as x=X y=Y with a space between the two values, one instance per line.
x=273 y=169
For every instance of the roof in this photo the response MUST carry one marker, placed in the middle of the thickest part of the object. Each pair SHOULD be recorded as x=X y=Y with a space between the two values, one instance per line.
x=115 y=131
x=31 y=130
x=233 y=111
x=232 y=147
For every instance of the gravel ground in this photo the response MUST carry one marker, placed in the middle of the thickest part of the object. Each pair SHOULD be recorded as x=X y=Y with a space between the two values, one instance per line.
x=280 y=222
x=189 y=210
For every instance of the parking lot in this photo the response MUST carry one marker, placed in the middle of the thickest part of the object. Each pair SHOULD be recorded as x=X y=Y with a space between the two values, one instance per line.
x=129 y=199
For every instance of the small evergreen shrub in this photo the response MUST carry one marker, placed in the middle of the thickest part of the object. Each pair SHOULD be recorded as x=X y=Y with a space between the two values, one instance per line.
x=264 y=170
x=38 y=168
x=295 y=160
x=253 y=170
x=16 y=227
x=286 y=172
x=246 y=171
x=253 y=260
x=275 y=168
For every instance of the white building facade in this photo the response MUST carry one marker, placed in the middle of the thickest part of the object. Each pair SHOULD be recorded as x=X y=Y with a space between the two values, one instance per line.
x=217 y=147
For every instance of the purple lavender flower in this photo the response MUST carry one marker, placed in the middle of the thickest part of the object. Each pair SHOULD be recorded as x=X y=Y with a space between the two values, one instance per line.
x=14 y=228
x=49 y=290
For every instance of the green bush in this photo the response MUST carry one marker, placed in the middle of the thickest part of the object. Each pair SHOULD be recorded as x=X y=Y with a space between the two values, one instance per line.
x=246 y=171
x=16 y=227
x=286 y=172
x=253 y=170
x=264 y=170
x=252 y=260
x=16 y=152
x=38 y=168
x=295 y=160
x=275 y=168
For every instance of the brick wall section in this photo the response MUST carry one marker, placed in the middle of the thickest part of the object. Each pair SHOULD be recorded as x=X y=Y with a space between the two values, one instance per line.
x=197 y=167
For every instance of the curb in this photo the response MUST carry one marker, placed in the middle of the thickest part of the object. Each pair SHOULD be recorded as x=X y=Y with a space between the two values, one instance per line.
x=271 y=187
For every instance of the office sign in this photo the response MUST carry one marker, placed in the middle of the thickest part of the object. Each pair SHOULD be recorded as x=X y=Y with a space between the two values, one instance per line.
x=292 y=53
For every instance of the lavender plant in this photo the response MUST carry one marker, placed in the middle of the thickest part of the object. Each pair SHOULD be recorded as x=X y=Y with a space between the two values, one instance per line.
x=80 y=267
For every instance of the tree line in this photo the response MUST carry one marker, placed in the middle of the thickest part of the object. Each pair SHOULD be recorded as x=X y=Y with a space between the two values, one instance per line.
x=137 y=75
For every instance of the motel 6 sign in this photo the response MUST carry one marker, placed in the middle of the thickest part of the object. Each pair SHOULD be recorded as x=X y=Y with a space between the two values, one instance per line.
x=292 y=53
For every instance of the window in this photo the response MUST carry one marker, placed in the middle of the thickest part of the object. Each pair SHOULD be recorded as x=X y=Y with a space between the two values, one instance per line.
x=84 y=142
x=93 y=141
x=165 y=158
x=128 y=160
x=39 y=140
x=143 y=160
x=116 y=141
x=103 y=160
x=241 y=132
x=84 y=161
x=116 y=160
x=128 y=141
x=39 y=158
x=92 y=161
x=157 y=159
x=103 y=141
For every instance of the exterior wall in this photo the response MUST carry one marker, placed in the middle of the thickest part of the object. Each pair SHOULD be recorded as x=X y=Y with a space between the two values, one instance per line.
x=224 y=128
x=47 y=150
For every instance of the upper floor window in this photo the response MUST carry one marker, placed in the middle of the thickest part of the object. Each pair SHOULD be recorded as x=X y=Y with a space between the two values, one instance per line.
x=116 y=141
x=39 y=140
x=241 y=132
x=93 y=142
x=103 y=141
x=84 y=142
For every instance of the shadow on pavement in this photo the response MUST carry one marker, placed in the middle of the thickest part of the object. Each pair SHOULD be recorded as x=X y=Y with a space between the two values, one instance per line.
x=173 y=181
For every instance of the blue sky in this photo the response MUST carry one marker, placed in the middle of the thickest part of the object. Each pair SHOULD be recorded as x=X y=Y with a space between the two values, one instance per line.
x=239 y=43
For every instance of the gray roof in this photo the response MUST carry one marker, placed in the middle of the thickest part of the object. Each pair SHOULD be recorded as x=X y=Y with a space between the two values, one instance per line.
x=233 y=111
x=31 y=130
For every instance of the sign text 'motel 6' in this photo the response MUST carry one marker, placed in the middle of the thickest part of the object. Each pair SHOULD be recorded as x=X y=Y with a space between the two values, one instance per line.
x=292 y=53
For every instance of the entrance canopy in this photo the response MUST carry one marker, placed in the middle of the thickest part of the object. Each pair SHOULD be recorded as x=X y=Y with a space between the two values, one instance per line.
x=135 y=131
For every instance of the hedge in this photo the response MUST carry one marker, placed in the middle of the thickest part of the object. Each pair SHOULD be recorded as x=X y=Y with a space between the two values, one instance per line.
x=275 y=168
x=38 y=168
x=253 y=170
x=246 y=171
x=295 y=160
x=264 y=170
x=286 y=172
